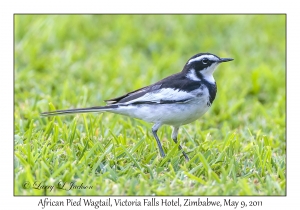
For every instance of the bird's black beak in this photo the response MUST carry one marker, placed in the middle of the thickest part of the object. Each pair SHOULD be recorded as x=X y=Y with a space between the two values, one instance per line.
x=225 y=60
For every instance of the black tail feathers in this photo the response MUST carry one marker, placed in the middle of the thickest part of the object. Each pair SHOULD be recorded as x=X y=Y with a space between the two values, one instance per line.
x=79 y=110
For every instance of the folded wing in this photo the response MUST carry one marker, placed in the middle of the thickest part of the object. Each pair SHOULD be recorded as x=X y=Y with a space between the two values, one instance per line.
x=174 y=89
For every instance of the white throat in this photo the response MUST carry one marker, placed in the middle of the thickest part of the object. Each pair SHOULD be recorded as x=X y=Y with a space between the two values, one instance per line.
x=210 y=79
x=208 y=73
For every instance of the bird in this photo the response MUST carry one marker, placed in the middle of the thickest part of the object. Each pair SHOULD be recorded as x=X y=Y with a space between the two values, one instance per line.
x=176 y=100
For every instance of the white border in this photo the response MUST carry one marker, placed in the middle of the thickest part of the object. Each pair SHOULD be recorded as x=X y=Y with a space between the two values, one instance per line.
x=8 y=8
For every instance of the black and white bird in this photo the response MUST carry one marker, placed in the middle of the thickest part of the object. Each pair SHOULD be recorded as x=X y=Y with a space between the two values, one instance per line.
x=175 y=100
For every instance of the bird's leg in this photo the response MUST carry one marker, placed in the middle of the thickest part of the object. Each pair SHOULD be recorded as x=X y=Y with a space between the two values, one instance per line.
x=174 y=137
x=154 y=131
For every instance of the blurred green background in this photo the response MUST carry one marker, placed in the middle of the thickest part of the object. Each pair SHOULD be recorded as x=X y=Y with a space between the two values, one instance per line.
x=68 y=61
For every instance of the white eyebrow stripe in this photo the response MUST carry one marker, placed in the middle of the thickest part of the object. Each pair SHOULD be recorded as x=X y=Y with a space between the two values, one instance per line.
x=210 y=57
x=192 y=75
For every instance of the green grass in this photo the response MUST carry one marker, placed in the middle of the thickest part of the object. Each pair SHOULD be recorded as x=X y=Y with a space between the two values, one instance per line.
x=68 y=61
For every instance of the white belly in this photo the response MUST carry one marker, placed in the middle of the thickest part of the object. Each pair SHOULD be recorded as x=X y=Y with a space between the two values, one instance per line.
x=170 y=114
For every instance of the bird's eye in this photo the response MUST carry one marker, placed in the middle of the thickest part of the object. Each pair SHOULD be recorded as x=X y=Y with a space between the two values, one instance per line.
x=205 y=61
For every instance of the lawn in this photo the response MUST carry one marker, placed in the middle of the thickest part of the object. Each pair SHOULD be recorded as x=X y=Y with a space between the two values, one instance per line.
x=69 y=61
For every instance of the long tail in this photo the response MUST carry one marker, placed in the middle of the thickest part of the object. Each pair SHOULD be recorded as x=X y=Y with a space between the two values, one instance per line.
x=79 y=110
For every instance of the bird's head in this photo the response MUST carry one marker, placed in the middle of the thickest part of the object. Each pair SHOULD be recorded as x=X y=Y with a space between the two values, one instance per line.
x=203 y=65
